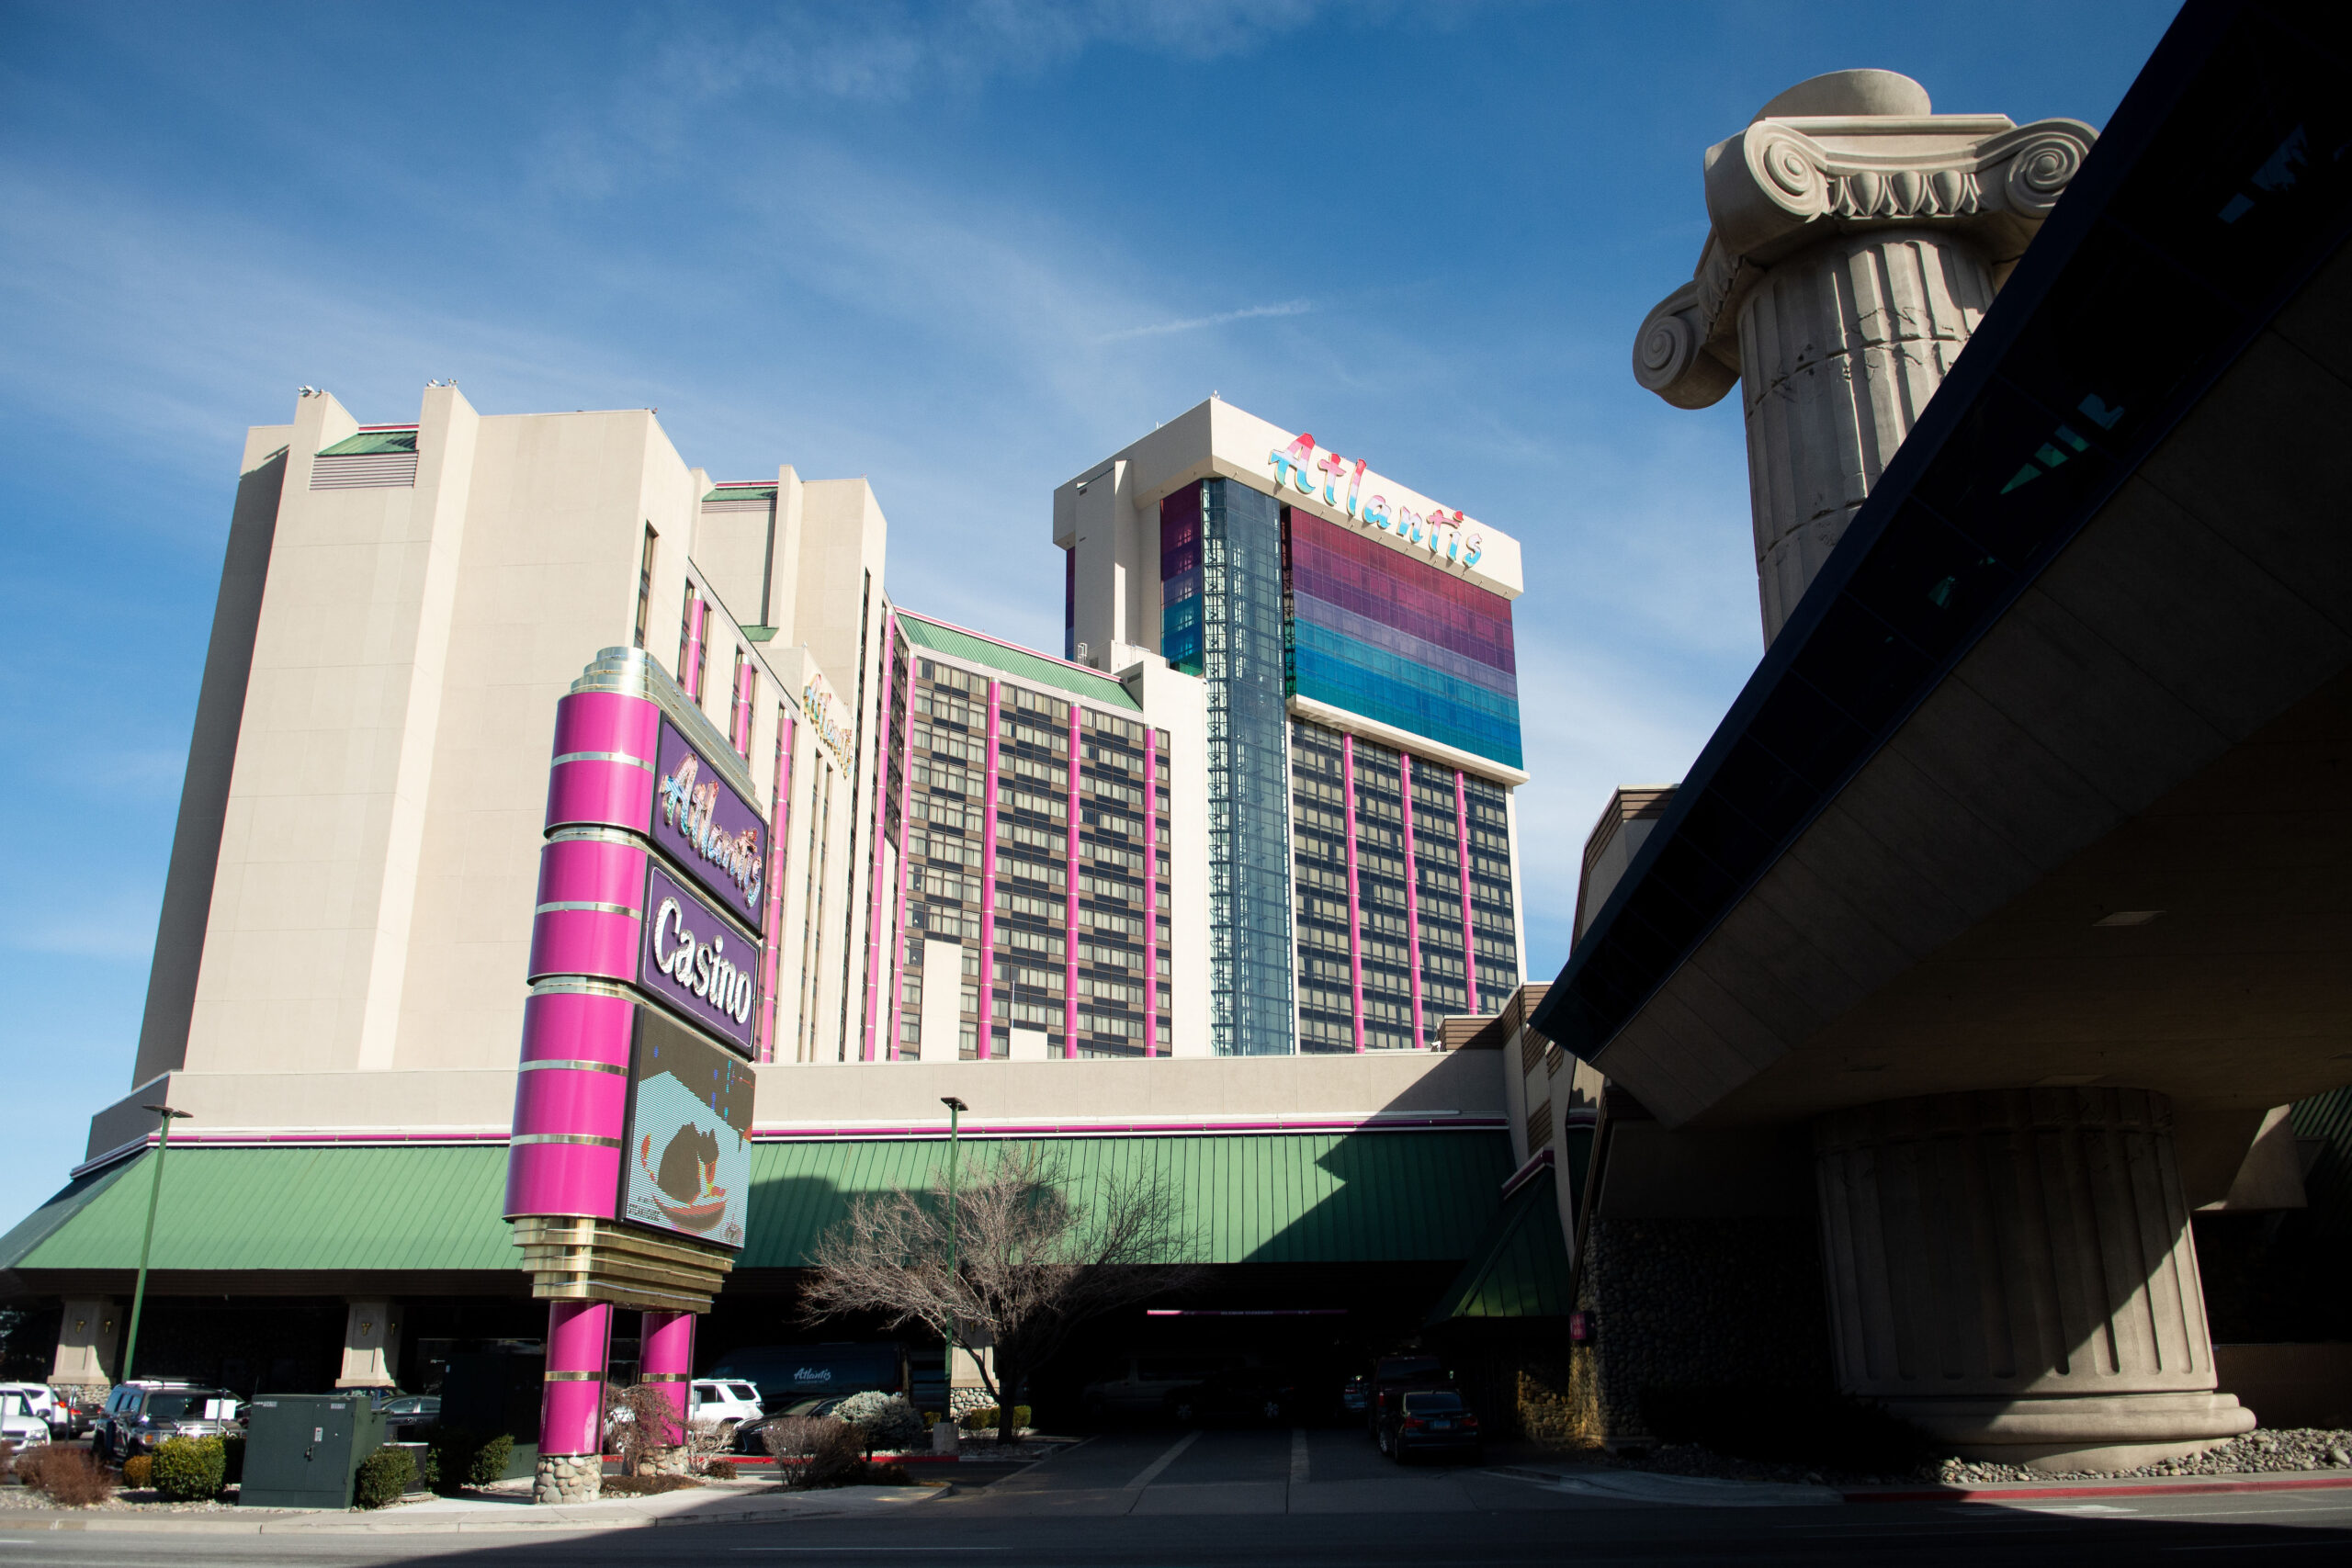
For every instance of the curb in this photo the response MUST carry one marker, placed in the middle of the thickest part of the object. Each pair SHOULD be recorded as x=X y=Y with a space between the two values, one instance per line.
x=1995 y=1492
x=332 y=1524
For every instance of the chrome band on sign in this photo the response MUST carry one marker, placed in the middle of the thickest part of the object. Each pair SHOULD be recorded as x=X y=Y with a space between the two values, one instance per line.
x=573 y=1064
x=622 y=757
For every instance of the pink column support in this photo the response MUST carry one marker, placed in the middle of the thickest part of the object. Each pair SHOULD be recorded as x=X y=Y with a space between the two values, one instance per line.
x=571 y=1403
x=1151 y=891
x=571 y=1098
x=1355 y=903
x=665 y=1358
x=1069 y=915
x=877 y=895
x=1412 y=893
x=779 y=820
x=1469 y=939
x=986 y=1034
x=906 y=826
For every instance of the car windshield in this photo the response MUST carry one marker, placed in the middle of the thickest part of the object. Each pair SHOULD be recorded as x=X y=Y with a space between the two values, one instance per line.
x=176 y=1406
x=1432 y=1404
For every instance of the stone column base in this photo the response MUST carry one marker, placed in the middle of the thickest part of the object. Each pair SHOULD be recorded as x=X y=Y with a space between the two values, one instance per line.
x=568 y=1478
x=2097 y=1433
x=667 y=1462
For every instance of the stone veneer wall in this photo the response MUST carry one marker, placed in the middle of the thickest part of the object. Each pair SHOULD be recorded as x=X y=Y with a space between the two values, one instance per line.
x=1692 y=1303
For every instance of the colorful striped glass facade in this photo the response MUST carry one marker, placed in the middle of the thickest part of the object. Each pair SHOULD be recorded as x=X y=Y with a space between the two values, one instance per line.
x=1404 y=643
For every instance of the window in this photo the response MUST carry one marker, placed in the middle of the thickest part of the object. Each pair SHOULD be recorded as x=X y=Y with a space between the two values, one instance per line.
x=691 y=649
x=645 y=584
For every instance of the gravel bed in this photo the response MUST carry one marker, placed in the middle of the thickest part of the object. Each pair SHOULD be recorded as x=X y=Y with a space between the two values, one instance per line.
x=2257 y=1453
x=25 y=1499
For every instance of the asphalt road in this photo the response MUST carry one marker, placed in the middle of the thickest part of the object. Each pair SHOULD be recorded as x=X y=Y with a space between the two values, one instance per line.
x=1324 y=1499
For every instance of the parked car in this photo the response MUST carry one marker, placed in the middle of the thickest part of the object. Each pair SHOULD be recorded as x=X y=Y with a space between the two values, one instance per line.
x=1391 y=1375
x=1428 y=1421
x=786 y=1373
x=19 y=1422
x=406 y=1416
x=723 y=1404
x=1135 y=1385
x=138 y=1415
x=41 y=1401
x=1355 y=1396
x=750 y=1436
x=1244 y=1394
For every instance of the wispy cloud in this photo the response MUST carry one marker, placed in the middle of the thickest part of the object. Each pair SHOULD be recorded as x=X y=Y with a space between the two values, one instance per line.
x=92 y=924
x=1195 y=323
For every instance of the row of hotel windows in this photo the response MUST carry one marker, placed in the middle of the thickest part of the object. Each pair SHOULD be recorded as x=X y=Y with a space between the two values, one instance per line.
x=693 y=648
x=1042 y=964
x=1449 y=946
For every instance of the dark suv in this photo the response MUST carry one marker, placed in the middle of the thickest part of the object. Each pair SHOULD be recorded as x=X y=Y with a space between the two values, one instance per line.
x=138 y=1415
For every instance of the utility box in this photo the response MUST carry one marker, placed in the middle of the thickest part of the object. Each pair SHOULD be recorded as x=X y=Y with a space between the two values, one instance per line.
x=303 y=1451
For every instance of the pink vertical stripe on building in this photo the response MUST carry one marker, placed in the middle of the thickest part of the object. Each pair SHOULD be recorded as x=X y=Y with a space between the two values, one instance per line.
x=747 y=677
x=697 y=622
x=779 y=822
x=1151 y=891
x=1069 y=920
x=1412 y=893
x=877 y=895
x=1469 y=940
x=1355 y=904
x=986 y=1034
x=906 y=819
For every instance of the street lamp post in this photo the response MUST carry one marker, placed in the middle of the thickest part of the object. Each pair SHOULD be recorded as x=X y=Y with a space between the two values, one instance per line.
x=955 y=1109
x=154 y=1191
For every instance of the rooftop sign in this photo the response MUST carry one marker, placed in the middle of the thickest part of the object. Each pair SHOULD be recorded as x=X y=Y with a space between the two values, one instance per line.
x=1444 y=534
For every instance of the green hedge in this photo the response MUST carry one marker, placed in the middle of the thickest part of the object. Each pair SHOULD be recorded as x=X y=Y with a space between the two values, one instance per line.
x=462 y=1459
x=984 y=1419
x=383 y=1476
x=190 y=1469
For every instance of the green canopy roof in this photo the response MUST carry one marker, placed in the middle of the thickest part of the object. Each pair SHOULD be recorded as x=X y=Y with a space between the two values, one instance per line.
x=1520 y=1267
x=1018 y=662
x=372 y=443
x=1273 y=1197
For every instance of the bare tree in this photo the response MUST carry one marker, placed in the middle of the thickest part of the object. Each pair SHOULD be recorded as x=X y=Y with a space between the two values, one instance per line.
x=1032 y=1261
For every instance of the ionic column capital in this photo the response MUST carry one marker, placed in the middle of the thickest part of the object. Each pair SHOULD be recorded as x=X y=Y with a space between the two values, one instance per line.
x=1790 y=181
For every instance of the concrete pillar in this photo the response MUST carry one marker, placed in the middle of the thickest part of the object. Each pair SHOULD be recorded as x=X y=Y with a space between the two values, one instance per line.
x=89 y=1335
x=1840 y=347
x=1855 y=239
x=572 y=1406
x=371 y=1346
x=2012 y=1271
x=666 y=1359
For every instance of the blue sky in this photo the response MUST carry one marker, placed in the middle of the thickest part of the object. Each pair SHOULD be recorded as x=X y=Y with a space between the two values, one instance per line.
x=964 y=251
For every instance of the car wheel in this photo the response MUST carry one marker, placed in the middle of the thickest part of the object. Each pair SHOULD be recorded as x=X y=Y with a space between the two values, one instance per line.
x=1183 y=1410
x=1272 y=1410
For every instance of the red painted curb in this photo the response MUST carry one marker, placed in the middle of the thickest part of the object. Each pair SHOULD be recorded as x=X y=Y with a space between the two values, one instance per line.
x=2110 y=1489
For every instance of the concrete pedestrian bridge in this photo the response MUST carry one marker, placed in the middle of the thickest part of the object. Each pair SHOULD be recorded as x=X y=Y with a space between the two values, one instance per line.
x=2010 y=895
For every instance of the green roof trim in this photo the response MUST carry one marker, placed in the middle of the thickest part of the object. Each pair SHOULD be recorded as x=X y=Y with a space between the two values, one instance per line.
x=1017 y=662
x=372 y=443
x=760 y=634
x=741 y=492
x=1520 y=1267
x=1419 y=1196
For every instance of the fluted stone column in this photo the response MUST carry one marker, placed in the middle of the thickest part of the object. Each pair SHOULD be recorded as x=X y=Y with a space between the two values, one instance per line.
x=2012 y=1271
x=1856 y=237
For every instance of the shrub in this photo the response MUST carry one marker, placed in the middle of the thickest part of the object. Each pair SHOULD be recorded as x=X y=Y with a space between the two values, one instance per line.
x=232 y=1451
x=886 y=1420
x=139 y=1471
x=790 y=1435
x=70 y=1477
x=836 y=1458
x=459 y=1458
x=885 y=1475
x=983 y=1418
x=383 y=1476
x=719 y=1469
x=188 y=1470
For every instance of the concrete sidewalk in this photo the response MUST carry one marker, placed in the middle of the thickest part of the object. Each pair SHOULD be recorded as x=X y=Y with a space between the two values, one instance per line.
x=714 y=1505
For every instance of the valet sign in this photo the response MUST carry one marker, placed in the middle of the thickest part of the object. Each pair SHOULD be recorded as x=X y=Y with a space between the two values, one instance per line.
x=695 y=963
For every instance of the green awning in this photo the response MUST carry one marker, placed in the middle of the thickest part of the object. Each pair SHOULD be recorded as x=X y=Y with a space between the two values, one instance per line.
x=372 y=443
x=741 y=492
x=1018 y=663
x=1521 y=1266
x=1253 y=1198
